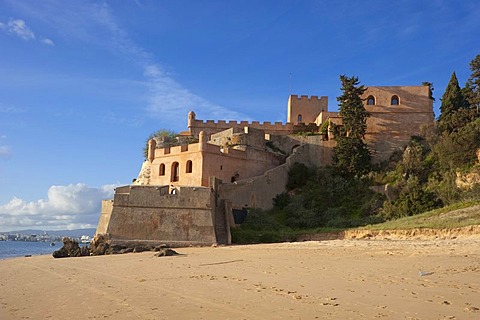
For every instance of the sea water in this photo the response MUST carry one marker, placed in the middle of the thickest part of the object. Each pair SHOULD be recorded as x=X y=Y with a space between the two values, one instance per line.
x=9 y=249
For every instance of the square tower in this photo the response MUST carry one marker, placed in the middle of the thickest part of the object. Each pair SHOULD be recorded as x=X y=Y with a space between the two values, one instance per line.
x=304 y=109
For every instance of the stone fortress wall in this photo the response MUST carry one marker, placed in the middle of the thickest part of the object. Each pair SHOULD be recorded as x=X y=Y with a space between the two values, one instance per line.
x=397 y=114
x=228 y=155
x=210 y=127
x=152 y=213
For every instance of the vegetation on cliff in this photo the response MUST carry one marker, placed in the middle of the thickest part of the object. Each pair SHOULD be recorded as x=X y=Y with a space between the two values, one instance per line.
x=167 y=138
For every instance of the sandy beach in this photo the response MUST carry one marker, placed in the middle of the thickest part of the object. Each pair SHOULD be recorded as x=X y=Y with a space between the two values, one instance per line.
x=338 y=279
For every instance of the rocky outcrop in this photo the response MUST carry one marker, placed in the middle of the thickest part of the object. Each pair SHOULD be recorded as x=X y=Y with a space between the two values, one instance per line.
x=164 y=251
x=102 y=245
x=466 y=181
x=416 y=233
x=71 y=249
x=407 y=234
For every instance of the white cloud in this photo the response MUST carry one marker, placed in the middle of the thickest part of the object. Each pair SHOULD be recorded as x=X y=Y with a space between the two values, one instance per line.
x=170 y=100
x=10 y=109
x=66 y=207
x=19 y=28
x=5 y=152
x=48 y=42
x=96 y=24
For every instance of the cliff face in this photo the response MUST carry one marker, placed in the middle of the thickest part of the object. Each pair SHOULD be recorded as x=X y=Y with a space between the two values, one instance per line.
x=466 y=181
x=469 y=180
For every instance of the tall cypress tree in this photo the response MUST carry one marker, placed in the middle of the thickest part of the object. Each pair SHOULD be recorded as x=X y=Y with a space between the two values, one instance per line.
x=453 y=107
x=350 y=155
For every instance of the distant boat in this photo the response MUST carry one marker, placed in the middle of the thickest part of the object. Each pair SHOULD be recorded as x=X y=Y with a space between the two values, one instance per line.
x=52 y=244
x=85 y=239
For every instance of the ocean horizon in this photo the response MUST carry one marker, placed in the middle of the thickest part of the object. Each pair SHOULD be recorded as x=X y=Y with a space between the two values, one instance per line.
x=12 y=249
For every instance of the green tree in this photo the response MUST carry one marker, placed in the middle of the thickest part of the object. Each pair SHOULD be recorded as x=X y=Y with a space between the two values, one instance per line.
x=472 y=88
x=453 y=107
x=167 y=137
x=458 y=149
x=430 y=89
x=351 y=155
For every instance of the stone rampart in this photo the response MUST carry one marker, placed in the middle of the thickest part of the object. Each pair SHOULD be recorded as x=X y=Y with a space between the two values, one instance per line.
x=152 y=214
x=258 y=192
x=210 y=127
x=107 y=207
x=246 y=136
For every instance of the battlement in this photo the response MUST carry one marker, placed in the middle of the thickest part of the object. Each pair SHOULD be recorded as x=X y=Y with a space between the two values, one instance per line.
x=237 y=124
x=279 y=128
x=193 y=147
x=309 y=98
x=305 y=109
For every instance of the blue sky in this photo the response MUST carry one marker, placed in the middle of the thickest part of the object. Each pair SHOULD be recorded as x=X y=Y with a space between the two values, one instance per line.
x=85 y=82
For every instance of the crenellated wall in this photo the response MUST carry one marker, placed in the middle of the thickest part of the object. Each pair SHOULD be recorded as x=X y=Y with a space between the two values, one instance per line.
x=210 y=126
x=304 y=109
x=194 y=164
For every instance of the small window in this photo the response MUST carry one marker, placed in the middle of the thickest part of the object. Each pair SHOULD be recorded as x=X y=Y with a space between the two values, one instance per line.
x=188 y=168
x=299 y=118
x=370 y=101
x=175 y=172
x=394 y=101
x=235 y=177
x=161 y=170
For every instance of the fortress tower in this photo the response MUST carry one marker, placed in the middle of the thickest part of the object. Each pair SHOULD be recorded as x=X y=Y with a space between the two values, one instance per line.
x=304 y=109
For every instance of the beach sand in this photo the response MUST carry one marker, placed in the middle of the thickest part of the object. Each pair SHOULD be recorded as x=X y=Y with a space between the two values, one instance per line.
x=338 y=279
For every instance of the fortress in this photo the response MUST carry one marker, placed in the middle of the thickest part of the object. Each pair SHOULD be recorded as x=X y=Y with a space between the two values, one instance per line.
x=191 y=191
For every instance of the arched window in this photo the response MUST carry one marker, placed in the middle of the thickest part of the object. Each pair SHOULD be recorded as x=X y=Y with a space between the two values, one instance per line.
x=299 y=118
x=175 y=172
x=161 y=170
x=370 y=101
x=188 y=168
x=395 y=101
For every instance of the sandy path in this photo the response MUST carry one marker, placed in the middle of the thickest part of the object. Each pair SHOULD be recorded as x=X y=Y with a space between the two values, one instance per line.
x=340 y=279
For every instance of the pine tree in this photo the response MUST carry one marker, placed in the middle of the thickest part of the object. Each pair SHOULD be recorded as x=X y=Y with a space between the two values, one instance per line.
x=351 y=155
x=472 y=88
x=453 y=108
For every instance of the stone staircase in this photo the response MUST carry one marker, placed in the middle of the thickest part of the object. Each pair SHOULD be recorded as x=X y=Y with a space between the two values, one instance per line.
x=221 y=226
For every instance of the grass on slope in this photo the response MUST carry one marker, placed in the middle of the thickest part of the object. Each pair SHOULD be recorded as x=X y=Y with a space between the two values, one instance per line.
x=455 y=216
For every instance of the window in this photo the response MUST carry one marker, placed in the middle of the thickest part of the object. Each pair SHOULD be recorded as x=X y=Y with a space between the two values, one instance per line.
x=188 y=168
x=299 y=118
x=394 y=101
x=161 y=170
x=370 y=101
x=175 y=172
